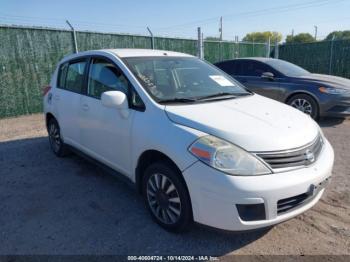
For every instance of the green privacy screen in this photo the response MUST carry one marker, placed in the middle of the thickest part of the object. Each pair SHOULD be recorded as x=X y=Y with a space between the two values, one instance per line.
x=28 y=57
x=325 y=57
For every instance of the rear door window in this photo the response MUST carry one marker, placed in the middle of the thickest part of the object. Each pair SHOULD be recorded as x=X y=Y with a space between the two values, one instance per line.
x=75 y=76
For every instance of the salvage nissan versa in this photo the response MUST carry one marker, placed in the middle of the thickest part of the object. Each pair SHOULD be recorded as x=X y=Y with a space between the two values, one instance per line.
x=196 y=143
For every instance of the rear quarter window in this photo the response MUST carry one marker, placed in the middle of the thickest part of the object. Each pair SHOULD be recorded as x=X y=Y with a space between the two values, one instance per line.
x=62 y=73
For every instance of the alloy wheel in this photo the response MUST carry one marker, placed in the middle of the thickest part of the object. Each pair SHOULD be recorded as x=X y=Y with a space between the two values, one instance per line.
x=303 y=105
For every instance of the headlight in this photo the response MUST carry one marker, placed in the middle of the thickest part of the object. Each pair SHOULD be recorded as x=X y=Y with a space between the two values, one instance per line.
x=333 y=91
x=227 y=157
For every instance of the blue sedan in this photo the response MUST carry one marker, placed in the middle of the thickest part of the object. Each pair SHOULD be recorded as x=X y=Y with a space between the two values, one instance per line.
x=314 y=94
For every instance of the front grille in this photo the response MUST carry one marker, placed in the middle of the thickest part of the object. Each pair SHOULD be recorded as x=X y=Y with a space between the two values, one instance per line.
x=287 y=204
x=293 y=158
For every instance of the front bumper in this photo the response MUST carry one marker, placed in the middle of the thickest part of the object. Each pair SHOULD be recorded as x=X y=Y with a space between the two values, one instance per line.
x=336 y=106
x=214 y=195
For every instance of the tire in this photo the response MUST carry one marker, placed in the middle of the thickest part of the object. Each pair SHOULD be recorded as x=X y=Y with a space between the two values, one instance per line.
x=306 y=104
x=57 y=145
x=166 y=197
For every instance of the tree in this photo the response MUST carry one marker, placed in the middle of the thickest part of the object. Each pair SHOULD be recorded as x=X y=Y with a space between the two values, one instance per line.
x=263 y=37
x=338 y=35
x=300 y=38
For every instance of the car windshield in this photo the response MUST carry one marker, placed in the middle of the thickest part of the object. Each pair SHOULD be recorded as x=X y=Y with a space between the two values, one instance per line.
x=182 y=79
x=287 y=68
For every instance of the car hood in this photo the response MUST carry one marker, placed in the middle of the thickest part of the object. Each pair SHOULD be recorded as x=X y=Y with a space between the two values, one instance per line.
x=254 y=123
x=331 y=81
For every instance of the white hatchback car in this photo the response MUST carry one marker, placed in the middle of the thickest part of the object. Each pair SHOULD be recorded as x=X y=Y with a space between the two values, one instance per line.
x=196 y=143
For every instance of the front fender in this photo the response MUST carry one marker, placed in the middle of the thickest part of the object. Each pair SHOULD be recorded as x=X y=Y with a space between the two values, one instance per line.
x=155 y=131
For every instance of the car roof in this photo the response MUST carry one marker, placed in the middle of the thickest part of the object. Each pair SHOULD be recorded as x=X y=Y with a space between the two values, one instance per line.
x=129 y=52
x=260 y=59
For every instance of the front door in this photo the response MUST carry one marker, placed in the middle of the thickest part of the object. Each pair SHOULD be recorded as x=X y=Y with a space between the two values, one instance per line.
x=105 y=133
x=250 y=75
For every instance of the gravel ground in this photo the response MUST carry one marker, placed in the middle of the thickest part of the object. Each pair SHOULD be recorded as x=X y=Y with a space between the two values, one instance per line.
x=70 y=206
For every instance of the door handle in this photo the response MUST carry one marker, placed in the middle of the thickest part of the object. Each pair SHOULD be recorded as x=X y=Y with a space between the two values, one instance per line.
x=85 y=107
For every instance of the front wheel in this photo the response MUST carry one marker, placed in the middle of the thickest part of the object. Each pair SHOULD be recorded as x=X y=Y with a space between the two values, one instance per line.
x=305 y=104
x=166 y=197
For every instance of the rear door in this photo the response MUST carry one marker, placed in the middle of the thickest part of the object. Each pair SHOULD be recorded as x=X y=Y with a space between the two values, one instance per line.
x=67 y=99
x=105 y=133
x=249 y=73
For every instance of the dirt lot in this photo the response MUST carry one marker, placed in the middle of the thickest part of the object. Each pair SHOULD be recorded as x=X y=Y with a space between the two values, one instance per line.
x=69 y=206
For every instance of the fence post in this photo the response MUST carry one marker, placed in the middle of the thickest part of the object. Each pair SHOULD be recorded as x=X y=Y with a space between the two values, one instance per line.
x=253 y=47
x=238 y=47
x=331 y=56
x=268 y=47
x=200 y=52
x=152 y=37
x=74 y=37
x=202 y=44
x=276 y=53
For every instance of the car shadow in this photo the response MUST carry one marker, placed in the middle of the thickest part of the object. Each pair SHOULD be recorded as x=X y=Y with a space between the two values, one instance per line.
x=330 y=122
x=69 y=205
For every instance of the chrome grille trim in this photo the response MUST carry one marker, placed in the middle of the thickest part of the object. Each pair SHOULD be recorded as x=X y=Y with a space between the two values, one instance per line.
x=299 y=157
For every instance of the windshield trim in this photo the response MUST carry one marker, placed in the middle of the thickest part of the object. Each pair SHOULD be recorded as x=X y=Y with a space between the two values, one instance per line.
x=159 y=101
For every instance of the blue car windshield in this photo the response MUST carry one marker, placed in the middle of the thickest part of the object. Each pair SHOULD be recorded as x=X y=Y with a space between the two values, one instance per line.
x=287 y=68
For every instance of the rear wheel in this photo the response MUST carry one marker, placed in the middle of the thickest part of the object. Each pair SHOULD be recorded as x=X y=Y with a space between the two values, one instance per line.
x=56 y=142
x=166 y=197
x=306 y=104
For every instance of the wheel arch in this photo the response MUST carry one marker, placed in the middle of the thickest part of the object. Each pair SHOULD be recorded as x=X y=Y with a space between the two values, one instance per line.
x=149 y=157
x=301 y=92
x=48 y=117
x=314 y=97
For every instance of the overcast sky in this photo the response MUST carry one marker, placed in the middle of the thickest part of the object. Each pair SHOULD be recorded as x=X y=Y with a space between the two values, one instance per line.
x=182 y=17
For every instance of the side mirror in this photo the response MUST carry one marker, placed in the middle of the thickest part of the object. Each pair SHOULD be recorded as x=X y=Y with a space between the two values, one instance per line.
x=116 y=99
x=268 y=75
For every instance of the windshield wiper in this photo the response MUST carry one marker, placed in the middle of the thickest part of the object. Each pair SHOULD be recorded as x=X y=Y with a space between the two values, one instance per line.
x=222 y=94
x=178 y=100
